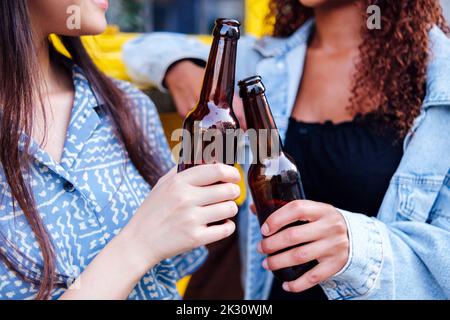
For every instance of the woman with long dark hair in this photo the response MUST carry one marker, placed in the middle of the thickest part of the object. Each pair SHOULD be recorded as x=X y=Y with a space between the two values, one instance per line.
x=79 y=154
x=364 y=109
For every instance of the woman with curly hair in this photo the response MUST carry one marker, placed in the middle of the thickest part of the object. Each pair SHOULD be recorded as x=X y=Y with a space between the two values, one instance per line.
x=365 y=113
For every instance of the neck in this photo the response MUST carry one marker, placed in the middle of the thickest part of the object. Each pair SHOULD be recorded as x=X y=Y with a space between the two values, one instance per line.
x=45 y=68
x=52 y=78
x=338 y=26
x=266 y=140
x=218 y=85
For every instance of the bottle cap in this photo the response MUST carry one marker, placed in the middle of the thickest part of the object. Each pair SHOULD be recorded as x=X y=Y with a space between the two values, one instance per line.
x=228 y=28
x=251 y=86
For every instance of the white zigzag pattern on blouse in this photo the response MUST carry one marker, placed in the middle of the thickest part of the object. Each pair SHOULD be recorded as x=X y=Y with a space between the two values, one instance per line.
x=108 y=190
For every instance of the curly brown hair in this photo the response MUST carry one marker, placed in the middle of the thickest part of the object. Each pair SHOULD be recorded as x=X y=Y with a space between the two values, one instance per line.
x=391 y=71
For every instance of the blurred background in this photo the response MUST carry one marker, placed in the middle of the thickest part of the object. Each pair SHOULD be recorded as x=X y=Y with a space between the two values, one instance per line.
x=185 y=16
x=172 y=15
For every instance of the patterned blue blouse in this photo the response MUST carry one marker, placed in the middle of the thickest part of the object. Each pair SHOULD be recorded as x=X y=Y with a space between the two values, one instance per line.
x=85 y=200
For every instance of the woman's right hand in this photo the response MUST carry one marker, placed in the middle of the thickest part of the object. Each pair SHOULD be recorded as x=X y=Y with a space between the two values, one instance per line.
x=184 y=81
x=175 y=216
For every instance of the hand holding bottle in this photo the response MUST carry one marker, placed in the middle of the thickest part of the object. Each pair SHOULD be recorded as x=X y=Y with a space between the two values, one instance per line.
x=324 y=239
x=176 y=215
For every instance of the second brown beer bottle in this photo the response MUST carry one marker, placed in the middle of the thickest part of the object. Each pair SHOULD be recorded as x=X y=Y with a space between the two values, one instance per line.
x=273 y=177
x=213 y=117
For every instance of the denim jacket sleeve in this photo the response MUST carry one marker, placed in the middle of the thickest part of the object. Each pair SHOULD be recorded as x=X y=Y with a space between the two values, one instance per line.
x=403 y=254
x=162 y=49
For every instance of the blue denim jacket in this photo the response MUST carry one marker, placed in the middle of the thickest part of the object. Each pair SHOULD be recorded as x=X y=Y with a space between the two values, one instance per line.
x=403 y=253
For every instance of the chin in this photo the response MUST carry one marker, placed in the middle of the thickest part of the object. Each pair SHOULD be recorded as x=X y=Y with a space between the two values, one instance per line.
x=90 y=26
x=93 y=20
x=320 y=3
x=313 y=3
x=93 y=28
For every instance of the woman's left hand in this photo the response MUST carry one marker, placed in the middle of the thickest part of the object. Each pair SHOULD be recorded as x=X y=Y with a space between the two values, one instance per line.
x=323 y=239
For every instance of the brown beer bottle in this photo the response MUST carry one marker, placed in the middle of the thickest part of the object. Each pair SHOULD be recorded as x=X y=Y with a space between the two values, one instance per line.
x=273 y=177
x=213 y=117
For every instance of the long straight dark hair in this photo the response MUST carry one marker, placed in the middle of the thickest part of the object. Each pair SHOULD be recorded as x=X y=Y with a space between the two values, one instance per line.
x=19 y=87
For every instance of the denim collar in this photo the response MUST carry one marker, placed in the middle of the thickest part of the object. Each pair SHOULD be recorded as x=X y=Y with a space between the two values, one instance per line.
x=85 y=118
x=438 y=70
x=78 y=74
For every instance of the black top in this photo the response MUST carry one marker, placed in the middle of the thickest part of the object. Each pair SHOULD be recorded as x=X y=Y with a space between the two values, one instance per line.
x=348 y=165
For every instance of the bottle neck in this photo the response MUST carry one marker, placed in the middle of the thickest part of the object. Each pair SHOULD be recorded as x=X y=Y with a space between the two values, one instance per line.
x=263 y=132
x=218 y=84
